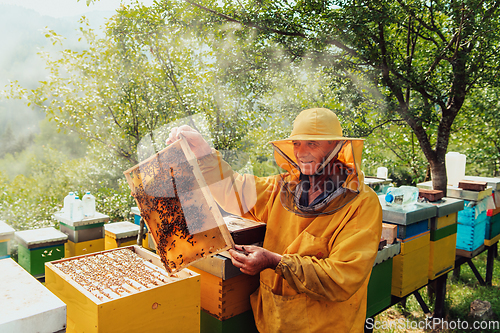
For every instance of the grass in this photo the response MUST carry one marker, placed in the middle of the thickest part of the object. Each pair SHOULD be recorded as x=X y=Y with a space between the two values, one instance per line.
x=460 y=294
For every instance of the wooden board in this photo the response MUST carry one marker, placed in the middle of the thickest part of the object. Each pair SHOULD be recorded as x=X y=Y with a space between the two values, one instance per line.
x=431 y=195
x=170 y=306
x=472 y=185
x=178 y=208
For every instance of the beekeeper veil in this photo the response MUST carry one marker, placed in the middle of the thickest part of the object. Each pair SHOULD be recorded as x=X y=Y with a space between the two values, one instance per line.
x=339 y=176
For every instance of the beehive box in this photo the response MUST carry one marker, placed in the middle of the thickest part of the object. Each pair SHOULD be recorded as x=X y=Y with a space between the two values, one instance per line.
x=410 y=267
x=225 y=291
x=6 y=234
x=472 y=225
x=125 y=290
x=38 y=246
x=411 y=220
x=176 y=204
x=27 y=306
x=380 y=284
x=444 y=237
x=89 y=228
x=245 y=231
x=494 y=183
x=120 y=234
x=78 y=249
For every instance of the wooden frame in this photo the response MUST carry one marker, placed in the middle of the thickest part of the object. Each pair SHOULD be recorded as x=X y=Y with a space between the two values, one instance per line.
x=170 y=307
x=179 y=210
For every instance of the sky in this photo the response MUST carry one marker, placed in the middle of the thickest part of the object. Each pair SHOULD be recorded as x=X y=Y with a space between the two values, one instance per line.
x=63 y=8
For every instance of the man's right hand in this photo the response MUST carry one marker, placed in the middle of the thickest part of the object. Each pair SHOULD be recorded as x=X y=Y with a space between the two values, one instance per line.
x=198 y=145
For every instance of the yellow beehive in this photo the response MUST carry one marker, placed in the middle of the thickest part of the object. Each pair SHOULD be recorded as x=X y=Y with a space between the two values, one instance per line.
x=444 y=221
x=442 y=256
x=410 y=267
x=77 y=249
x=142 y=302
x=120 y=234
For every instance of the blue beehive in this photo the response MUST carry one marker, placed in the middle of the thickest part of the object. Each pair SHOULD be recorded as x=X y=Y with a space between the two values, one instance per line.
x=472 y=222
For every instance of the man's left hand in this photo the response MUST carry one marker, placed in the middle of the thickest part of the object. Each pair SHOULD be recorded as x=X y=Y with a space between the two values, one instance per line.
x=252 y=260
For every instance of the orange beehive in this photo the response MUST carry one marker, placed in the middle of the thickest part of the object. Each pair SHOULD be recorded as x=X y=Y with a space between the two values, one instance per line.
x=178 y=207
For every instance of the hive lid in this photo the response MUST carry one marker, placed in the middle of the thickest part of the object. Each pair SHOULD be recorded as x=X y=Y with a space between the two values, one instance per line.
x=30 y=305
x=97 y=218
x=122 y=229
x=448 y=206
x=135 y=210
x=6 y=229
x=370 y=181
x=40 y=236
x=407 y=214
x=458 y=193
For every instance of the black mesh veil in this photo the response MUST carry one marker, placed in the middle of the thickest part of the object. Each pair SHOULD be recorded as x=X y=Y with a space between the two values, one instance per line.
x=292 y=189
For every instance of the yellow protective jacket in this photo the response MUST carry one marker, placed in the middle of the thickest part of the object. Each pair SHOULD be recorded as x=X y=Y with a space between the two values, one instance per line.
x=321 y=282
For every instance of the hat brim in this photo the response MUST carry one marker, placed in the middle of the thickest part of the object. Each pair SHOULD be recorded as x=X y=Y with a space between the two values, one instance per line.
x=306 y=137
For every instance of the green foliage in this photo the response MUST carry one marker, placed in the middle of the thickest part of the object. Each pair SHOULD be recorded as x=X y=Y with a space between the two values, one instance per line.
x=480 y=123
x=28 y=202
x=423 y=58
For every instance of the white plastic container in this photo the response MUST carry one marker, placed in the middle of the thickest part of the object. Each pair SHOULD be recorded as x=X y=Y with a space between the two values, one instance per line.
x=401 y=196
x=382 y=172
x=77 y=210
x=69 y=202
x=88 y=201
x=455 y=167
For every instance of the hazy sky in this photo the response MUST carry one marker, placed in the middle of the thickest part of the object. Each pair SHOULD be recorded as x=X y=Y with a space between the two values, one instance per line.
x=61 y=8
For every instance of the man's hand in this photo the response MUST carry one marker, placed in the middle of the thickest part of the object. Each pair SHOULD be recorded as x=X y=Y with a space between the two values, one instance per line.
x=252 y=260
x=198 y=145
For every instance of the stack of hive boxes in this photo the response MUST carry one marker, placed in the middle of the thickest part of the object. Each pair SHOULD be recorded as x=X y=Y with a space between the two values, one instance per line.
x=125 y=290
x=380 y=284
x=471 y=228
x=120 y=234
x=38 y=246
x=472 y=223
x=84 y=236
x=410 y=267
x=492 y=232
x=225 y=290
x=225 y=295
x=6 y=234
x=444 y=237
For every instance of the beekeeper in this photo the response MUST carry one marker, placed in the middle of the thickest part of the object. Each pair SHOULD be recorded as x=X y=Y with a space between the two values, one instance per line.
x=323 y=226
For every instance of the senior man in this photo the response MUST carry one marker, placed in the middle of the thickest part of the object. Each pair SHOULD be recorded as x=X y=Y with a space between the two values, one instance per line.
x=323 y=226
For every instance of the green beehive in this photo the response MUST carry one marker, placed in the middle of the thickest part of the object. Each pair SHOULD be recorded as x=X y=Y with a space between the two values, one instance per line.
x=38 y=246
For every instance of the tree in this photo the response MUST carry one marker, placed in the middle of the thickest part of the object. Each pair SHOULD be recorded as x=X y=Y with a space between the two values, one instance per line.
x=425 y=57
x=480 y=123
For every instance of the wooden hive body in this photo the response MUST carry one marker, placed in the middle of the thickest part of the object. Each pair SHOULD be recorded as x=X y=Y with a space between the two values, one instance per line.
x=410 y=267
x=171 y=306
x=176 y=204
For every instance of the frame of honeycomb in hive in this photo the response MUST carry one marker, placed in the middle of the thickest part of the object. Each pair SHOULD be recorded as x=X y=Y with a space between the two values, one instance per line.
x=178 y=208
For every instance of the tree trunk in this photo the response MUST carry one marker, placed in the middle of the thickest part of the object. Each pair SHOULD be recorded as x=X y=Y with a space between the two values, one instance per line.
x=438 y=174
